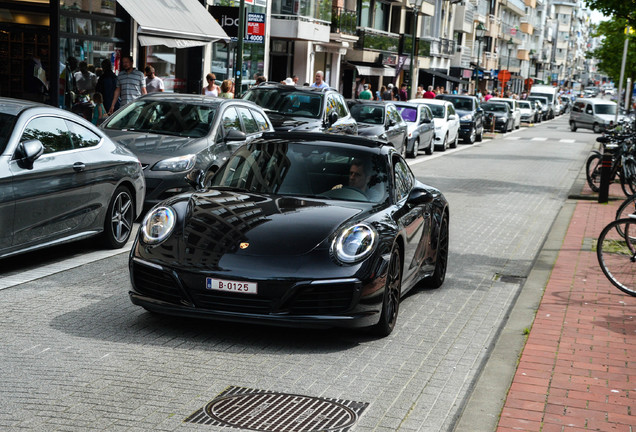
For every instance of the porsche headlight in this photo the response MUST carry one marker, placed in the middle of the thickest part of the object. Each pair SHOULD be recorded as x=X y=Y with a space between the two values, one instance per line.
x=176 y=164
x=355 y=243
x=157 y=225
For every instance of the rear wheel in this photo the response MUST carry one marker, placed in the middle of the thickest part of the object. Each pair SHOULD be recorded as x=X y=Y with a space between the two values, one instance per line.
x=119 y=218
x=628 y=177
x=392 y=292
x=596 y=128
x=593 y=172
x=439 y=275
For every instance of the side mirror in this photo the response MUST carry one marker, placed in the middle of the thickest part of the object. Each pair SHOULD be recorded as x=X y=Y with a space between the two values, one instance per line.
x=425 y=120
x=419 y=196
x=390 y=122
x=452 y=117
x=234 y=135
x=196 y=179
x=332 y=118
x=29 y=151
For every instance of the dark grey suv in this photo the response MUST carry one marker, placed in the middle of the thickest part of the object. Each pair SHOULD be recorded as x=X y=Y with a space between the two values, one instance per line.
x=471 y=116
x=174 y=134
x=304 y=109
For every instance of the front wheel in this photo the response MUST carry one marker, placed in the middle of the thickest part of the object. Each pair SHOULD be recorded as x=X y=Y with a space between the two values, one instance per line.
x=596 y=128
x=617 y=254
x=416 y=148
x=472 y=137
x=391 y=299
x=455 y=141
x=573 y=126
x=119 y=218
x=593 y=172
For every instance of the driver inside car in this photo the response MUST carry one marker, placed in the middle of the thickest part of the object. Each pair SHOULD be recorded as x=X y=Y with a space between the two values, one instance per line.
x=359 y=175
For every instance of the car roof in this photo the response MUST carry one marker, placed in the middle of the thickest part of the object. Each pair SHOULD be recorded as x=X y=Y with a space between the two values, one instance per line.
x=320 y=138
x=598 y=101
x=16 y=106
x=284 y=87
x=445 y=95
x=367 y=102
x=191 y=98
x=430 y=101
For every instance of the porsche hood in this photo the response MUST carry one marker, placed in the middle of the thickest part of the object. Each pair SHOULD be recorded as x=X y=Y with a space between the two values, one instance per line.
x=242 y=223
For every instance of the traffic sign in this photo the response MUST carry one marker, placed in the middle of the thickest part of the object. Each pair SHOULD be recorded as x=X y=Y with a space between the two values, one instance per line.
x=503 y=75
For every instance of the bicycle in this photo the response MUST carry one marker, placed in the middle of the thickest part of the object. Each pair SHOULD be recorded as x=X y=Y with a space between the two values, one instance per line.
x=616 y=253
x=623 y=163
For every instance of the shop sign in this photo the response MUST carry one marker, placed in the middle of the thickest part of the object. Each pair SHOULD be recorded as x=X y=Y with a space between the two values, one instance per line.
x=255 y=28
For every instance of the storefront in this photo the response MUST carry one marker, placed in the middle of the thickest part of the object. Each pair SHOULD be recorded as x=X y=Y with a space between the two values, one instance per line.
x=42 y=40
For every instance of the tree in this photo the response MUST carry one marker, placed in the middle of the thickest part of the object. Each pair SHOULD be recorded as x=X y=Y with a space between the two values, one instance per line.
x=621 y=9
x=610 y=53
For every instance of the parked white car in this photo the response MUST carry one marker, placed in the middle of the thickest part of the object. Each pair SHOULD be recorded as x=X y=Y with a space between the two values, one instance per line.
x=528 y=113
x=446 y=122
x=514 y=106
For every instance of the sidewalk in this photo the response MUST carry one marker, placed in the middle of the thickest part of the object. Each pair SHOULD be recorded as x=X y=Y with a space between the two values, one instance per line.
x=577 y=371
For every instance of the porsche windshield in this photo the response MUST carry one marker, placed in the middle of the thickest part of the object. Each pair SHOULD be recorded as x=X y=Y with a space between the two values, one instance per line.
x=292 y=103
x=310 y=170
x=164 y=117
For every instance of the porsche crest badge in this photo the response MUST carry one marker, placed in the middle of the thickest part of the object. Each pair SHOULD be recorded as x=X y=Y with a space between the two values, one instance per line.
x=244 y=245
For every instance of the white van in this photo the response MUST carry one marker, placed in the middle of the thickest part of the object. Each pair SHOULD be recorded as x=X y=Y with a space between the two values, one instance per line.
x=592 y=113
x=549 y=92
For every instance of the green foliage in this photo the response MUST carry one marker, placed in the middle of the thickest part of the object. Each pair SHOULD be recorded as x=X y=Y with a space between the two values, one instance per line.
x=620 y=9
x=610 y=53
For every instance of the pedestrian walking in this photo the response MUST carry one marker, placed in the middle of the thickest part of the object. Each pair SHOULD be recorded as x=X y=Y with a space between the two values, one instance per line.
x=226 y=90
x=107 y=83
x=403 y=95
x=154 y=84
x=99 y=112
x=366 y=93
x=85 y=80
x=131 y=83
x=319 y=82
x=429 y=93
x=211 y=89
x=387 y=94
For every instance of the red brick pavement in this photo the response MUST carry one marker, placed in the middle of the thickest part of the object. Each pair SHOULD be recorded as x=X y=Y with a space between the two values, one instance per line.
x=577 y=371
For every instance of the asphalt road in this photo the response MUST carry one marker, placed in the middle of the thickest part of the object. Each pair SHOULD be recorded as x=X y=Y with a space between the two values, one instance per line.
x=77 y=355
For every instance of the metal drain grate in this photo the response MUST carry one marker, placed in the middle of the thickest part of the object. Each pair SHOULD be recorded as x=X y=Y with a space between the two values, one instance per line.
x=508 y=278
x=267 y=411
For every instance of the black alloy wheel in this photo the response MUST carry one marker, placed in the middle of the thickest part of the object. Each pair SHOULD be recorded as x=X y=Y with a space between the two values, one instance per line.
x=441 y=263
x=119 y=218
x=392 y=292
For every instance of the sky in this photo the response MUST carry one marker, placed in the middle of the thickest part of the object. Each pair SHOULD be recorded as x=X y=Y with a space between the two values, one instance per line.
x=597 y=17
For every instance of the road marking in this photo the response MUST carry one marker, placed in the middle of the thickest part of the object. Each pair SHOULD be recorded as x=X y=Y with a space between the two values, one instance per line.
x=512 y=138
x=569 y=141
x=67 y=264
x=539 y=139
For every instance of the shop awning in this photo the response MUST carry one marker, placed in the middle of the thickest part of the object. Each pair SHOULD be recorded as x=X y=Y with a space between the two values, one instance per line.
x=383 y=70
x=176 y=24
x=444 y=76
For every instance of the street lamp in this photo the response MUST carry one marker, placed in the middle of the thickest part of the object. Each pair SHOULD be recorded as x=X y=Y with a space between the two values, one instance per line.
x=510 y=43
x=480 y=33
x=416 y=5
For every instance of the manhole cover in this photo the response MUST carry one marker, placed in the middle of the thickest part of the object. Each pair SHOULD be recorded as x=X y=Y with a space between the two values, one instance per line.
x=267 y=411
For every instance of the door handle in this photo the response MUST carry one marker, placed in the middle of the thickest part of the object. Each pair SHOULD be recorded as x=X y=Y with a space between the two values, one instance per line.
x=79 y=166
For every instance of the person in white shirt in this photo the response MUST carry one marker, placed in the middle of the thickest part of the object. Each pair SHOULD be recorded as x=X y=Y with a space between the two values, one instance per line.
x=319 y=83
x=153 y=82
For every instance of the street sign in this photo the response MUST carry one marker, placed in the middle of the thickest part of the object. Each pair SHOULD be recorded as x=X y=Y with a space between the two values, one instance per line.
x=503 y=75
x=255 y=28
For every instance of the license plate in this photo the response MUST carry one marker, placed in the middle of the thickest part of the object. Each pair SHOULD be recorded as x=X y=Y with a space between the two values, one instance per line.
x=231 y=286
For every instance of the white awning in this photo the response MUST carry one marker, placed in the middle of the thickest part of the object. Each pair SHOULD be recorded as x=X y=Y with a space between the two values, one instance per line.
x=376 y=71
x=180 y=23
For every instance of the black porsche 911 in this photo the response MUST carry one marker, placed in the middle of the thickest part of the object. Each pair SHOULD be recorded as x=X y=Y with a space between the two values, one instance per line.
x=296 y=229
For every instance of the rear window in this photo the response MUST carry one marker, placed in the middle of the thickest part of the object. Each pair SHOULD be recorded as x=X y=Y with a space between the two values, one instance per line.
x=408 y=114
x=294 y=103
x=7 y=121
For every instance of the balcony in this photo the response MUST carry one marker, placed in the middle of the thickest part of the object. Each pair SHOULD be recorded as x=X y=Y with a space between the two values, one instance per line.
x=423 y=48
x=377 y=40
x=443 y=48
x=343 y=21
x=300 y=27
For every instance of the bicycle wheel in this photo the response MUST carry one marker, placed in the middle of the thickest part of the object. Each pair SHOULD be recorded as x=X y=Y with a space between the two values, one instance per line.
x=626 y=208
x=617 y=254
x=628 y=177
x=593 y=171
